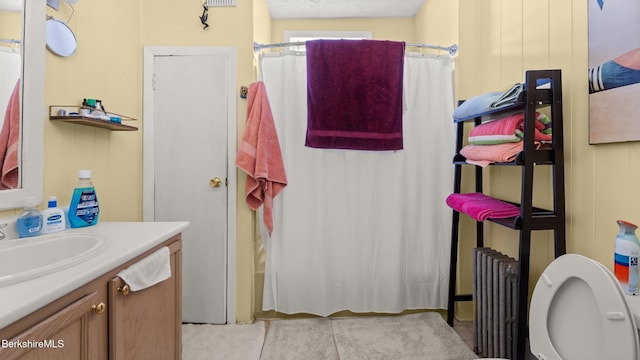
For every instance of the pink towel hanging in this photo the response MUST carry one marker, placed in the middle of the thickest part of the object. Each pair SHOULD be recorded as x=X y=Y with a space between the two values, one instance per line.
x=259 y=154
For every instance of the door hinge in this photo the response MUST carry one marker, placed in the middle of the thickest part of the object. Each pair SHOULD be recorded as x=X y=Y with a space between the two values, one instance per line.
x=153 y=82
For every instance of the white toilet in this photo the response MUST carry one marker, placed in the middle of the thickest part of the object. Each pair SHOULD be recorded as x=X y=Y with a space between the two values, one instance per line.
x=579 y=312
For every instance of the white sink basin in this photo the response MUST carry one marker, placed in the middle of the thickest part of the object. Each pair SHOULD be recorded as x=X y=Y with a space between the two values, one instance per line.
x=29 y=258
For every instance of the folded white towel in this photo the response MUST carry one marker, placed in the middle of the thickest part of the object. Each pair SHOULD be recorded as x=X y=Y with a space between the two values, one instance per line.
x=149 y=271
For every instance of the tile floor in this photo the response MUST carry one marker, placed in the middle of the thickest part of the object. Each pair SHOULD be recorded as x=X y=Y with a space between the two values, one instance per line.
x=465 y=330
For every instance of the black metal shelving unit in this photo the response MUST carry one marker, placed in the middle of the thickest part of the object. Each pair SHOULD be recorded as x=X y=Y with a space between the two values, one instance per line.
x=530 y=217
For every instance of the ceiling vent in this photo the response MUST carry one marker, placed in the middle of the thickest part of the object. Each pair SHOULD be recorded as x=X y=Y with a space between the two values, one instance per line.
x=221 y=3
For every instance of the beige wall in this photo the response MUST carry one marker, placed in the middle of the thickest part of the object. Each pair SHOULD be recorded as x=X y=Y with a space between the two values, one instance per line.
x=10 y=26
x=437 y=22
x=397 y=29
x=261 y=22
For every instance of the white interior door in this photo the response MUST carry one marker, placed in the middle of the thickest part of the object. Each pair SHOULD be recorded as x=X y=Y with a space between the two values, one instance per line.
x=187 y=174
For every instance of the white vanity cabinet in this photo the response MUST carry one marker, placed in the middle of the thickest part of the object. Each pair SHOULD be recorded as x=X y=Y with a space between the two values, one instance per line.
x=102 y=321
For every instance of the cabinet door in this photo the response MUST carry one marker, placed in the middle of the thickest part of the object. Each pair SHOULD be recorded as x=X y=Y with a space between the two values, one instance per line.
x=146 y=324
x=71 y=333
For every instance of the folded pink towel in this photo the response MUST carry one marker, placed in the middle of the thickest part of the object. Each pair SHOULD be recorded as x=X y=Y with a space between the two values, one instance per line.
x=259 y=154
x=509 y=129
x=10 y=141
x=483 y=155
x=481 y=207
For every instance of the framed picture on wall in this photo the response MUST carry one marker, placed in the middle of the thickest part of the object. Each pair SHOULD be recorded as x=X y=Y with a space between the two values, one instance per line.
x=614 y=71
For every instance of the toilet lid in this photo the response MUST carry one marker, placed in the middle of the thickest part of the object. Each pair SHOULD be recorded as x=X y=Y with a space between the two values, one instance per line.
x=578 y=311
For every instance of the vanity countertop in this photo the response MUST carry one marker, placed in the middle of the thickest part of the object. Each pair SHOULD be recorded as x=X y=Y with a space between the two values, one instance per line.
x=126 y=240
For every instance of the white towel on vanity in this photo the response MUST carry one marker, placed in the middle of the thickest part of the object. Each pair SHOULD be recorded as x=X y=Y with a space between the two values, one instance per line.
x=149 y=271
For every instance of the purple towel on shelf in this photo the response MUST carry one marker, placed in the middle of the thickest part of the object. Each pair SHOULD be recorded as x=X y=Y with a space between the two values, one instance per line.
x=481 y=207
x=354 y=94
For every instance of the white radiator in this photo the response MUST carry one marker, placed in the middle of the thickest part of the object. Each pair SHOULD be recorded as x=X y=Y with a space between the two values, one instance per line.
x=495 y=296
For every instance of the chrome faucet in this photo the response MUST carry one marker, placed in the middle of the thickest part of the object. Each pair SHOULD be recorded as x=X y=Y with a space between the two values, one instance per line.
x=2 y=226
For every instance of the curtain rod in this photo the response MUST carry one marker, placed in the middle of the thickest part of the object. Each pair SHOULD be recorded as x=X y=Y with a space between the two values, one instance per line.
x=452 y=50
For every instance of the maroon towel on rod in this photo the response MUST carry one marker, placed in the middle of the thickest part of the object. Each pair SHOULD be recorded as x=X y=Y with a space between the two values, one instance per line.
x=354 y=94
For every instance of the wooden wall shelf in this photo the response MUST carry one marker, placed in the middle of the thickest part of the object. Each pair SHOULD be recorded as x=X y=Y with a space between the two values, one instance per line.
x=54 y=110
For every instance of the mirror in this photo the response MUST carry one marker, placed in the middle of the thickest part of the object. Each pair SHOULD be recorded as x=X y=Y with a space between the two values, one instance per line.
x=10 y=77
x=30 y=144
x=60 y=38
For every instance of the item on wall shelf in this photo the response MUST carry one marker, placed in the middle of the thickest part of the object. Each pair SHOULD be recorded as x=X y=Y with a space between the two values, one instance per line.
x=90 y=116
x=94 y=104
x=627 y=248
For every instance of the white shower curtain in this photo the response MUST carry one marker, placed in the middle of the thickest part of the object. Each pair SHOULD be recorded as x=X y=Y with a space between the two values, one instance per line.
x=365 y=231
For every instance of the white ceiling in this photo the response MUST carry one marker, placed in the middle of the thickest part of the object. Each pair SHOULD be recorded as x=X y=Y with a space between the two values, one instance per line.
x=307 y=9
x=10 y=5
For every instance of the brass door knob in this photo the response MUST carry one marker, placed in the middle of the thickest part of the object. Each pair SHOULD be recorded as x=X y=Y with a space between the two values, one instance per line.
x=98 y=308
x=215 y=182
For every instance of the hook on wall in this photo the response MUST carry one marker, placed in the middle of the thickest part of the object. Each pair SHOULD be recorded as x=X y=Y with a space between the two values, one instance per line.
x=243 y=92
x=204 y=16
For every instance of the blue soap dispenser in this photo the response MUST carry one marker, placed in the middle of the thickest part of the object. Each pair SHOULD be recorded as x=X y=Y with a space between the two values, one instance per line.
x=29 y=223
x=84 y=209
